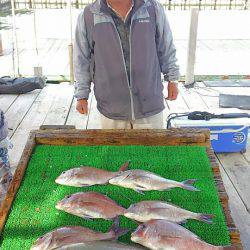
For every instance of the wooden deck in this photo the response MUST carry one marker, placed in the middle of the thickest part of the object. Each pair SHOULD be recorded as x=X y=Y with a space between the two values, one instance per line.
x=54 y=105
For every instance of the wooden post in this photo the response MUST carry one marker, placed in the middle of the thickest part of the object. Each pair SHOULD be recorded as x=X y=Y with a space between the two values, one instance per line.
x=215 y=4
x=38 y=71
x=230 y=4
x=1 y=45
x=15 y=55
x=70 y=47
x=192 y=46
x=169 y=4
x=247 y=5
x=71 y=67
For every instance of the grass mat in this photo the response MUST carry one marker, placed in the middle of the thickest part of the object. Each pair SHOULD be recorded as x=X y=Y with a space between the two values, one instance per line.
x=33 y=212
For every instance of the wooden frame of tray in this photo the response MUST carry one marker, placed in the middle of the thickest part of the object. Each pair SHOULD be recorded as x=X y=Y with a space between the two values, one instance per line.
x=67 y=135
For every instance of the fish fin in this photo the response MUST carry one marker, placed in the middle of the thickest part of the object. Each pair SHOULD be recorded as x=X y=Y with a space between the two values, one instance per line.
x=182 y=222
x=85 y=185
x=88 y=218
x=124 y=166
x=205 y=218
x=139 y=191
x=116 y=229
x=188 y=185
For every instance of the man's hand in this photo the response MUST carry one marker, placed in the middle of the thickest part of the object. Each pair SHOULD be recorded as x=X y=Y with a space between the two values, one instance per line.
x=172 y=91
x=82 y=106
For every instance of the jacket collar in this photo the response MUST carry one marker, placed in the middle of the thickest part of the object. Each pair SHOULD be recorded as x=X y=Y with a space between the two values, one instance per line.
x=100 y=6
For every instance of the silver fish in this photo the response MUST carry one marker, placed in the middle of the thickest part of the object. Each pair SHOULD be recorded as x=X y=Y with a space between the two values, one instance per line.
x=147 y=210
x=73 y=235
x=85 y=176
x=90 y=205
x=165 y=235
x=140 y=180
x=101 y=245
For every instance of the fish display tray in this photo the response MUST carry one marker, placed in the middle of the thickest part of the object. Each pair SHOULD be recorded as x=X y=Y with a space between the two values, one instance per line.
x=153 y=145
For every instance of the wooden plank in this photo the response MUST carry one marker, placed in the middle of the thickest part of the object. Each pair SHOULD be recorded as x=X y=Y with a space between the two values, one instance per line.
x=6 y=101
x=238 y=210
x=18 y=110
x=155 y=137
x=208 y=95
x=192 y=99
x=94 y=121
x=33 y=119
x=177 y=106
x=247 y=153
x=124 y=137
x=17 y=178
x=77 y=119
x=234 y=233
x=238 y=170
x=60 y=108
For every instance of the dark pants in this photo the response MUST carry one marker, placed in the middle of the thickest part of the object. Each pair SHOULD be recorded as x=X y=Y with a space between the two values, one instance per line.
x=20 y=85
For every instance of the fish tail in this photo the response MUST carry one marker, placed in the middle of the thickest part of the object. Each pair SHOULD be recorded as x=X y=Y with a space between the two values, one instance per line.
x=188 y=185
x=124 y=166
x=116 y=230
x=205 y=218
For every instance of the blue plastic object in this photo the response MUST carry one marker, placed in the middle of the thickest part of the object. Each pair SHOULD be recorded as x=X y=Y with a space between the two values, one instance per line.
x=227 y=135
x=226 y=139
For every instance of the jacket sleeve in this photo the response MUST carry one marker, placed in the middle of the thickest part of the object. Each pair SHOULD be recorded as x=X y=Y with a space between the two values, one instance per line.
x=81 y=60
x=165 y=46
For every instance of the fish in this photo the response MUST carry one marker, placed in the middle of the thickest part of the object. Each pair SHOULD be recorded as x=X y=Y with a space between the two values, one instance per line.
x=147 y=210
x=140 y=180
x=72 y=235
x=165 y=235
x=86 y=176
x=90 y=205
x=101 y=245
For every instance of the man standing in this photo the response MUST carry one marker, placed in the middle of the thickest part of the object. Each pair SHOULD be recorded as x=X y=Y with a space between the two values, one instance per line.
x=123 y=46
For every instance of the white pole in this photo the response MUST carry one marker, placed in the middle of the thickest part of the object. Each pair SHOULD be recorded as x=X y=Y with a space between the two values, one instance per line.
x=1 y=45
x=192 y=46
x=14 y=41
x=248 y=5
x=38 y=70
x=70 y=47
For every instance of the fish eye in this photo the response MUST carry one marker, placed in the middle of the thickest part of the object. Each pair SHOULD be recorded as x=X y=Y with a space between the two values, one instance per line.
x=68 y=196
x=40 y=238
x=63 y=172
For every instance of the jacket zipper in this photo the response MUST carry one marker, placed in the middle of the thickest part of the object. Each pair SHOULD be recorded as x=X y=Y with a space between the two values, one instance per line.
x=123 y=58
x=130 y=85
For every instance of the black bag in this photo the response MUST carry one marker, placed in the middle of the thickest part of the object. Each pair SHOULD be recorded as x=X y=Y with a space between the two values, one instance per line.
x=20 y=85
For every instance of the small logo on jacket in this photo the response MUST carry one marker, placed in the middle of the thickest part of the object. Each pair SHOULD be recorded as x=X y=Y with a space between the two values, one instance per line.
x=144 y=21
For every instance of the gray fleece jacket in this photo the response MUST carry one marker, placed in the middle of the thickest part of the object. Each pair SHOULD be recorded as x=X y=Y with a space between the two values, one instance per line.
x=98 y=58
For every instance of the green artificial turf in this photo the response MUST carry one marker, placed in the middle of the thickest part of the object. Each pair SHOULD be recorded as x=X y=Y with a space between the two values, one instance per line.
x=33 y=212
